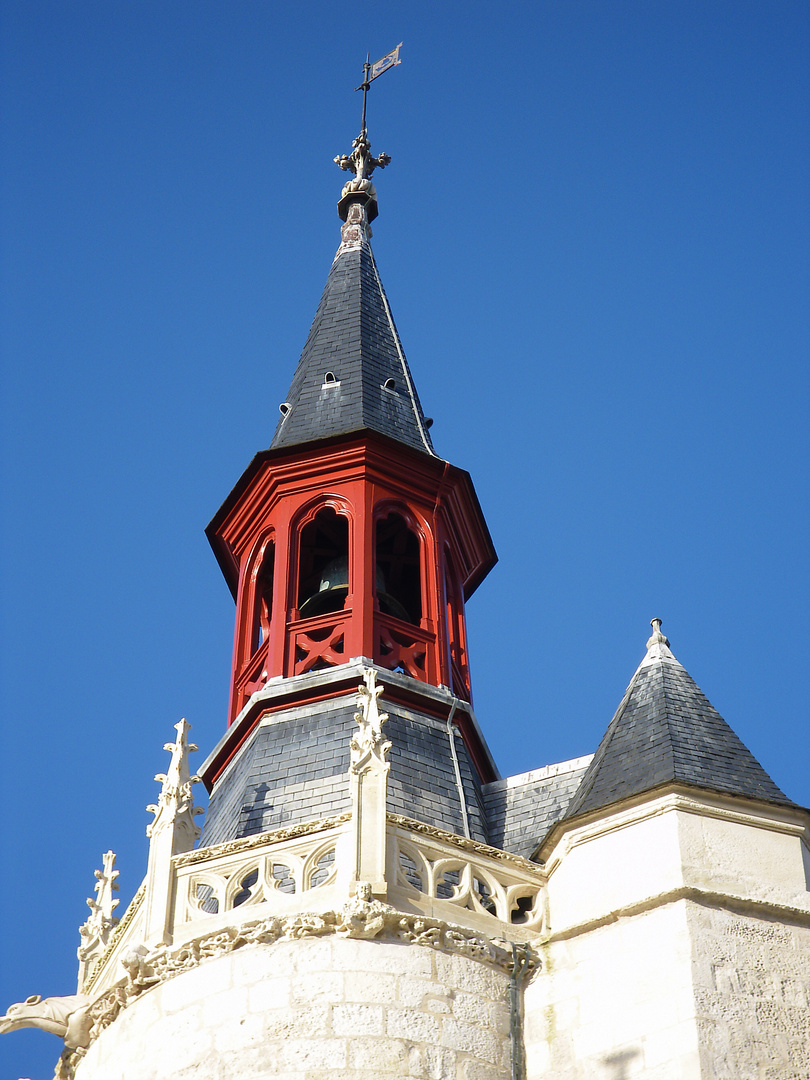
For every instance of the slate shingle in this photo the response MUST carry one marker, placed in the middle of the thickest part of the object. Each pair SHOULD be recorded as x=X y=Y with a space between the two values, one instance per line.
x=294 y=769
x=353 y=336
x=666 y=731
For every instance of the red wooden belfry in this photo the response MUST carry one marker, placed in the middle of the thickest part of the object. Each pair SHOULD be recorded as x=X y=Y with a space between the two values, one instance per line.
x=399 y=531
x=349 y=537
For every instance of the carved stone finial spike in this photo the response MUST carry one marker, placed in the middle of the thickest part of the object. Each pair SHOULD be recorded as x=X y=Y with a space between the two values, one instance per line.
x=657 y=638
x=95 y=933
x=368 y=744
x=175 y=805
x=173 y=832
x=368 y=779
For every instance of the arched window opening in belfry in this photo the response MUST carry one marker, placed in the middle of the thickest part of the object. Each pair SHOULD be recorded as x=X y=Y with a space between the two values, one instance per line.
x=323 y=564
x=263 y=597
x=398 y=574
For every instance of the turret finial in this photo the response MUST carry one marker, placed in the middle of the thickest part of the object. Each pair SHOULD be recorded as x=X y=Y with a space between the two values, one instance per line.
x=360 y=161
x=657 y=638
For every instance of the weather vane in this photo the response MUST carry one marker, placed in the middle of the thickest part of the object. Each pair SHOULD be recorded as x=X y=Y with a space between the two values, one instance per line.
x=360 y=161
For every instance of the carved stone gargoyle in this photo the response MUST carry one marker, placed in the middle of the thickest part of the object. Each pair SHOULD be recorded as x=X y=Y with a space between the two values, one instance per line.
x=67 y=1017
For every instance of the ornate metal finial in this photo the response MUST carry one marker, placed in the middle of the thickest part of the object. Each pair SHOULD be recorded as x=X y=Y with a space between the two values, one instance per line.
x=360 y=161
x=657 y=638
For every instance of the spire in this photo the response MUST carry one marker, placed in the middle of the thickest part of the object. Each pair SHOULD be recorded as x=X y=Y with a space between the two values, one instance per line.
x=665 y=731
x=352 y=374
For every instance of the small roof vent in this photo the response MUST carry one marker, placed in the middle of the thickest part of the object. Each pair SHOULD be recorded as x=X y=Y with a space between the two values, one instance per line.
x=284 y=408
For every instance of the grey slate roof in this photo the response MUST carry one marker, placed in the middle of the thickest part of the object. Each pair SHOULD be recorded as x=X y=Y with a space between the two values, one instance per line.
x=666 y=731
x=521 y=809
x=293 y=768
x=353 y=336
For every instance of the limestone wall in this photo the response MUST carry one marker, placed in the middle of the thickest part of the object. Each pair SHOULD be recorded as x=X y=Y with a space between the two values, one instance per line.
x=679 y=946
x=314 y=1008
x=616 y=1002
x=752 y=994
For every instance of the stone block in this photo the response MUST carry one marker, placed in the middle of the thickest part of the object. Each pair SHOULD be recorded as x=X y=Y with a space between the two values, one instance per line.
x=477 y=978
x=371 y=986
x=472 y=1009
x=476 y=1070
x=272 y=993
x=471 y=1040
x=304 y=1055
x=414 y=991
x=500 y=1018
x=413 y=1024
x=238 y=1035
x=440 y=1006
x=297 y=956
x=224 y=1006
x=325 y=986
x=355 y=1018
x=296 y=1022
x=190 y=987
x=180 y=1039
x=439 y=1063
x=356 y=955
x=375 y=1056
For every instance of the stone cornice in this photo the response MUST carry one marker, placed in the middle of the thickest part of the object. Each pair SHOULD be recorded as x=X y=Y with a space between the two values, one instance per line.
x=772 y=817
x=247 y=843
x=741 y=905
x=474 y=847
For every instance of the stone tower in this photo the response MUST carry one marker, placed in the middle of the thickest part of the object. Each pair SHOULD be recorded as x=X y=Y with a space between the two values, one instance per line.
x=368 y=897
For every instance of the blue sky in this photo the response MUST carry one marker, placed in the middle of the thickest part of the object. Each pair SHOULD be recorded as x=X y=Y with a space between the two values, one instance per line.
x=594 y=237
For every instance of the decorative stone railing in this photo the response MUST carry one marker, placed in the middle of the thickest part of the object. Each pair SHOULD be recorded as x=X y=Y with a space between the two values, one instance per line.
x=315 y=867
x=428 y=871
x=275 y=869
x=436 y=870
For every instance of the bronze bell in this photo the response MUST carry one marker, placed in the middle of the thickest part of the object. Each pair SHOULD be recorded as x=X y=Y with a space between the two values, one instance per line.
x=334 y=588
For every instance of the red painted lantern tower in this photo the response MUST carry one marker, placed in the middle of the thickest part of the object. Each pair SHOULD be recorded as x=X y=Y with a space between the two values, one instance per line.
x=349 y=537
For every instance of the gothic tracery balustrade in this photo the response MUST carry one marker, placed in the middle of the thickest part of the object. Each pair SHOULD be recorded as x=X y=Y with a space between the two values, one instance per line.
x=428 y=871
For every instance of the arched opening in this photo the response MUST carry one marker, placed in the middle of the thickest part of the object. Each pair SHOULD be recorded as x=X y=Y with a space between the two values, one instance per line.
x=323 y=564
x=398 y=573
x=263 y=598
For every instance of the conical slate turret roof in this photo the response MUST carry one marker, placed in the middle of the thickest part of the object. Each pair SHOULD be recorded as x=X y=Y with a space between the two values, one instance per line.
x=353 y=375
x=666 y=731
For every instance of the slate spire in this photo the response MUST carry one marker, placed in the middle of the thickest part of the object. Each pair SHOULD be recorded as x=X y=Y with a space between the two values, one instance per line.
x=352 y=375
x=666 y=731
